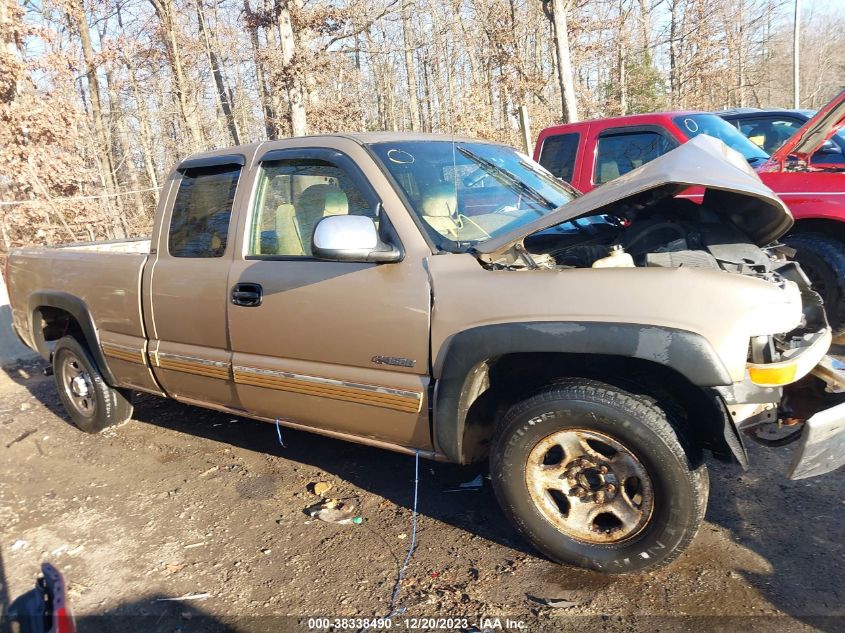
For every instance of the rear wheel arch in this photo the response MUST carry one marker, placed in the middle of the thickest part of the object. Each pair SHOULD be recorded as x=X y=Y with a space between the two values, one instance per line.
x=826 y=226
x=56 y=314
x=487 y=369
x=820 y=249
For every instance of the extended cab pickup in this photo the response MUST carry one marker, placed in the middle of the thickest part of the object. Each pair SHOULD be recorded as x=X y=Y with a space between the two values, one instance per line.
x=448 y=296
x=590 y=153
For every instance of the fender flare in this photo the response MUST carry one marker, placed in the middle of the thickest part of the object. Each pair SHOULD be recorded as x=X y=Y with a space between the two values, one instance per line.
x=689 y=354
x=78 y=309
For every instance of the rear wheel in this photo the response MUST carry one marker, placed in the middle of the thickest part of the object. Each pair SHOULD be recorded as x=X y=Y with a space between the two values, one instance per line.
x=91 y=404
x=597 y=477
x=823 y=260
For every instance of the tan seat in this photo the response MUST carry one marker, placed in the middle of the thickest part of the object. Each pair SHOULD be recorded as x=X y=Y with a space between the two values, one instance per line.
x=608 y=171
x=287 y=232
x=314 y=204
x=439 y=207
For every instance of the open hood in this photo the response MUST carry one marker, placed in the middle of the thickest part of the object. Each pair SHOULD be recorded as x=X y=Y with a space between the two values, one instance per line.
x=813 y=133
x=732 y=189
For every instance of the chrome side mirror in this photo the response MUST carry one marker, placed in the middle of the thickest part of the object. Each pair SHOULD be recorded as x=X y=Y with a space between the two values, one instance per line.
x=351 y=238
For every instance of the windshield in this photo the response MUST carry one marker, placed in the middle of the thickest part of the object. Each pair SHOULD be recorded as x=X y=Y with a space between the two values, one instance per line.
x=465 y=193
x=711 y=125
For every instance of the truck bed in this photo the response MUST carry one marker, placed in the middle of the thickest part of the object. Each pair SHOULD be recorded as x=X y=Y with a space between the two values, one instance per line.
x=105 y=275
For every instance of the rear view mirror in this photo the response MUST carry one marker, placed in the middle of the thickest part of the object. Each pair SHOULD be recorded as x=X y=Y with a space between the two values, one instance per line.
x=351 y=238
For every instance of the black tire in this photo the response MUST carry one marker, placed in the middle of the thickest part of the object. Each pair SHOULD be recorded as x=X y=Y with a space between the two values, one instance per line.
x=672 y=490
x=823 y=260
x=90 y=403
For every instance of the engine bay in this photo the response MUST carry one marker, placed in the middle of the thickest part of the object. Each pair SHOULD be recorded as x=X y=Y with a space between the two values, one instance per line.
x=675 y=233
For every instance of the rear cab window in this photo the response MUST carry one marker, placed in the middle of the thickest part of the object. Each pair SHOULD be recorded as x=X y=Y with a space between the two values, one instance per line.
x=199 y=222
x=558 y=154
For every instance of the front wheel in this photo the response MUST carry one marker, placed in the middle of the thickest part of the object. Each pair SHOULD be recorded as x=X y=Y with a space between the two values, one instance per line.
x=91 y=404
x=597 y=477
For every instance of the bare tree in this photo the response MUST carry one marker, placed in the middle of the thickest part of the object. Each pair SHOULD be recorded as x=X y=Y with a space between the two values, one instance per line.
x=569 y=106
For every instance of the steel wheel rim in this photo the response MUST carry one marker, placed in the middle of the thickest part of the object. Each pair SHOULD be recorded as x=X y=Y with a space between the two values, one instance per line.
x=589 y=486
x=77 y=384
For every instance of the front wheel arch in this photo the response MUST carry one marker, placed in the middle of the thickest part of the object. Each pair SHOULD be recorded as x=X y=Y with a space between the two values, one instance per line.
x=553 y=350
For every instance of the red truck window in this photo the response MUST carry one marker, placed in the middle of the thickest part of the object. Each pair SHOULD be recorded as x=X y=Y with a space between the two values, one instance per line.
x=620 y=152
x=199 y=224
x=558 y=154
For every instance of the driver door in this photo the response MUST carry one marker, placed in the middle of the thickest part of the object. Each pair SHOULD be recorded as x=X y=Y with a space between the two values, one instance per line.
x=341 y=347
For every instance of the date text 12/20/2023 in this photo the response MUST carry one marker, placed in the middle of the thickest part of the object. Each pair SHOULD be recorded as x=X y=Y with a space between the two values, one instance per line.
x=482 y=625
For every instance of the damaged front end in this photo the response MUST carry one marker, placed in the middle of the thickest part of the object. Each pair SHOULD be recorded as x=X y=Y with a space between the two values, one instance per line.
x=794 y=393
x=648 y=219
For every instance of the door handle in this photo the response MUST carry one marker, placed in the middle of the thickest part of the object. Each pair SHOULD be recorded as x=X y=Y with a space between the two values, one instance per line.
x=247 y=295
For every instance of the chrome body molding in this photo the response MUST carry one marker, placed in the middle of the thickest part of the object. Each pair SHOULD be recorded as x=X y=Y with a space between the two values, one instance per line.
x=123 y=352
x=361 y=393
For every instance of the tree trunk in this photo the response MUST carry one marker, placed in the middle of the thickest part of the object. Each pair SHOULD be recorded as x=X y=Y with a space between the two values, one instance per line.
x=103 y=148
x=410 y=70
x=217 y=73
x=187 y=111
x=145 y=134
x=292 y=71
x=122 y=147
x=674 y=81
x=568 y=105
x=271 y=127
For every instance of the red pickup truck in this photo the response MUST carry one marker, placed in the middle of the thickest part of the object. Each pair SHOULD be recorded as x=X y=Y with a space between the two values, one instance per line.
x=590 y=153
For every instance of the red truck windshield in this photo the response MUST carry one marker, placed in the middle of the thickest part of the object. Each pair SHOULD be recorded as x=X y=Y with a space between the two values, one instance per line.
x=695 y=124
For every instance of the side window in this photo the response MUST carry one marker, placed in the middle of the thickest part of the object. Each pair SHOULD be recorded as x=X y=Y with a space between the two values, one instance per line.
x=769 y=133
x=199 y=224
x=619 y=153
x=558 y=155
x=293 y=195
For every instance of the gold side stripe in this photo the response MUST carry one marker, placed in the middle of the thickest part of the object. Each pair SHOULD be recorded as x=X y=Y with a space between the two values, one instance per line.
x=329 y=382
x=410 y=407
x=198 y=370
x=408 y=402
x=123 y=353
x=340 y=390
x=322 y=391
x=188 y=365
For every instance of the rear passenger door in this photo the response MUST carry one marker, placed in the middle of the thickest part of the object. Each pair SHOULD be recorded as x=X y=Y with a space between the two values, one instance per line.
x=186 y=285
x=337 y=346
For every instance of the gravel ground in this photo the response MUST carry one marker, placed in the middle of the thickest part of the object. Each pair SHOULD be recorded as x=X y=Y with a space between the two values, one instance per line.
x=185 y=502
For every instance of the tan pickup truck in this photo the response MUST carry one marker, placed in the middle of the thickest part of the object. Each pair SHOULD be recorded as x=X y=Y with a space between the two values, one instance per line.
x=448 y=296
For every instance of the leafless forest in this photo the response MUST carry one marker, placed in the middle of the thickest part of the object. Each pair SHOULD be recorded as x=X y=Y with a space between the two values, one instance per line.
x=99 y=98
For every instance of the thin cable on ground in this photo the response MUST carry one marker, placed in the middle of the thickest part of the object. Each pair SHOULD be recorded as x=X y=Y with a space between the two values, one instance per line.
x=401 y=576
x=279 y=433
x=398 y=586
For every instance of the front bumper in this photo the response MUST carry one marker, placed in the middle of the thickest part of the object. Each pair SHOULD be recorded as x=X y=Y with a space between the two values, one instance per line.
x=821 y=448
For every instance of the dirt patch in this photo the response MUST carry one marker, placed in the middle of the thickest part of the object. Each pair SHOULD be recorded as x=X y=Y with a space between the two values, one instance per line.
x=183 y=502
